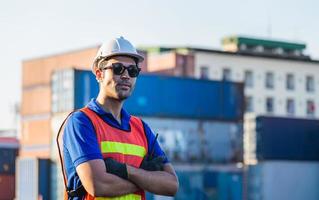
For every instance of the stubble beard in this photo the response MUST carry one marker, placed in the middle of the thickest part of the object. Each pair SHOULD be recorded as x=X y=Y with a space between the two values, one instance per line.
x=123 y=95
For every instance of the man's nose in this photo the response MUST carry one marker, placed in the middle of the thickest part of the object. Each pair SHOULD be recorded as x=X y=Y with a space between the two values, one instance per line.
x=125 y=75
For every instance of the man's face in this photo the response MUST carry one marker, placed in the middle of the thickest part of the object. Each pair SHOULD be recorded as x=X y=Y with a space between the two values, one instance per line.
x=116 y=86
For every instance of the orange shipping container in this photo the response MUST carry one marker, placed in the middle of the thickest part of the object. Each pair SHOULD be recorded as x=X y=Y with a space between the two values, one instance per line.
x=35 y=138
x=36 y=100
x=38 y=71
x=36 y=132
x=7 y=187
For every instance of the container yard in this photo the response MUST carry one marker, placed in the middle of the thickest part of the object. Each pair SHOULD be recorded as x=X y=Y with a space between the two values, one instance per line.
x=196 y=100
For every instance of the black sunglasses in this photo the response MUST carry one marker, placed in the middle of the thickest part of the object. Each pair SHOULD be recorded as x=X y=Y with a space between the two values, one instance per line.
x=119 y=68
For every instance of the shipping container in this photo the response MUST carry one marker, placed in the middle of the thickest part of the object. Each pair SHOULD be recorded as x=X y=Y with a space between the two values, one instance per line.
x=164 y=96
x=9 y=142
x=36 y=137
x=160 y=96
x=201 y=182
x=33 y=179
x=72 y=89
x=57 y=185
x=86 y=87
x=280 y=138
x=9 y=149
x=278 y=180
x=36 y=101
x=7 y=160
x=230 y=186
x=7 y=187
x=38 y=71
x=186 y=140
x=56 y=121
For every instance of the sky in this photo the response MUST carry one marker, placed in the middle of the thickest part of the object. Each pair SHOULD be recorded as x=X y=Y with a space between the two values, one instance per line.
x=35 y=28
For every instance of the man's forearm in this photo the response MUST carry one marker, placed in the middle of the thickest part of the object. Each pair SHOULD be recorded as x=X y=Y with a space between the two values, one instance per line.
x=157 y=182
x=113 y=186
x=99 y=183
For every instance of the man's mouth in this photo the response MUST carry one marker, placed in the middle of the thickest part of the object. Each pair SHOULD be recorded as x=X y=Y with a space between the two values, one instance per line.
x=124 y=85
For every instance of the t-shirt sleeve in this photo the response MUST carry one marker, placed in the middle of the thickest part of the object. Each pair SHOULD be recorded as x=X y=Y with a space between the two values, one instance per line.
x=79 y=139
x=150 y=139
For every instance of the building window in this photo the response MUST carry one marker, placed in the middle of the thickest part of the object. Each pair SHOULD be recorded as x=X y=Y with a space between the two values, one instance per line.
x=249 y=106
x=248 y=78
x=278 y=50
x=269 y=105
x=290 y=82
x=310 y=84
x=269 y=81
x=243 y=47
x=310 y=108
x=290 y=106
x=259 y=48
x=204 y=72
x=226 y=75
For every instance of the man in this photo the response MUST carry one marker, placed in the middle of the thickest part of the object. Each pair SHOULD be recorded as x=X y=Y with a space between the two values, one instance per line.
x=106 y=151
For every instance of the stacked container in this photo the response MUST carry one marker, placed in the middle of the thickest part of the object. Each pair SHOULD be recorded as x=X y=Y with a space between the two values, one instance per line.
x=198 y=121
x=8 y=153
x=216 y=182
x=33 y=179
x=282 y=155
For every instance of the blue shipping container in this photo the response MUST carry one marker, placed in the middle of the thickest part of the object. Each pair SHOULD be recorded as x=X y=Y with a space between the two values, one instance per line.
x=287 y=138
x=230 y=186
x=44 y=178
x=213 y=184
x=7 y=160
x=33 y=178
x=165 y=96
x=85 y=88
x=281 y=180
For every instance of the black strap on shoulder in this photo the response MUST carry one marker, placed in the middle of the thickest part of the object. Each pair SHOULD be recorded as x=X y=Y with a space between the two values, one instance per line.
x=79 y=191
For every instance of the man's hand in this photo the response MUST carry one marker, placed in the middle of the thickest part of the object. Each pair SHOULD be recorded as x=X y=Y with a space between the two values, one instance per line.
x=116 y=168
x=152 y=164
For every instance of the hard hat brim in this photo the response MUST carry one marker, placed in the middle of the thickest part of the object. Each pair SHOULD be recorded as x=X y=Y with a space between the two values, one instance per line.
x=139 y=57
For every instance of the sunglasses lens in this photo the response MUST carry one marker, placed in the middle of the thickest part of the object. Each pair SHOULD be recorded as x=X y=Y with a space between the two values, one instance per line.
x=118 y=68
x=133 y=70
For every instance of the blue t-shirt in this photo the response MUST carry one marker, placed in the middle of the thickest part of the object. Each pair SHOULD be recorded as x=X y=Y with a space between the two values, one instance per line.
x=80 y=143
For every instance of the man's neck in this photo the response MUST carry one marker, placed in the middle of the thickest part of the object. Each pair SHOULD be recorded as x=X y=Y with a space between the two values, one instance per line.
x=111 y=105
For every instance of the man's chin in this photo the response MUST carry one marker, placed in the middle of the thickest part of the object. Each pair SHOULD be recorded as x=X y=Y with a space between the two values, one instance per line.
x=123 y=96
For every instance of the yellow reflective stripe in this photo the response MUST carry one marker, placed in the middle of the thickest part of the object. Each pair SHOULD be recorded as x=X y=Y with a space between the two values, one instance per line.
x=123 y=148
x=124 y=197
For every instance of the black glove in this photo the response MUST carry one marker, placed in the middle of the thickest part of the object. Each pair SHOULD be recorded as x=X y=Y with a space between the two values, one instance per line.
x=152 y=164
x=116 y=168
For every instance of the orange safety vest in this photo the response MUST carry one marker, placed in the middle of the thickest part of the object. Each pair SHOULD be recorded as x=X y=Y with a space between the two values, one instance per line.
x=128 y=147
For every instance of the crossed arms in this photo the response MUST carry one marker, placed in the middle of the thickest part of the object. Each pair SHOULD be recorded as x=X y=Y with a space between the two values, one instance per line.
x=99 y=183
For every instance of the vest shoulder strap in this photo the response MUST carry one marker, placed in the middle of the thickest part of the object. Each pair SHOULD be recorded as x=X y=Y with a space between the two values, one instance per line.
x=80 y=191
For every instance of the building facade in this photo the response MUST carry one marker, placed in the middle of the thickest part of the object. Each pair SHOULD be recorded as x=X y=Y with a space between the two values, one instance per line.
x=279 y=79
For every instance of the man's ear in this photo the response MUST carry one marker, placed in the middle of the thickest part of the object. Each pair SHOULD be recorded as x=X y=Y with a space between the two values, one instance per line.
x=99 y=74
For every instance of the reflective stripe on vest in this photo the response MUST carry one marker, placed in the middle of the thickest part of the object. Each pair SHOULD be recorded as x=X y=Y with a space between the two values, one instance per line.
x=128 y=147
x=123 y=148
x=124 y=197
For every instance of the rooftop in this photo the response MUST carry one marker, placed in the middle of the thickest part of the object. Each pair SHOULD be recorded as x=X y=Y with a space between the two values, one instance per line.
x=238 y=40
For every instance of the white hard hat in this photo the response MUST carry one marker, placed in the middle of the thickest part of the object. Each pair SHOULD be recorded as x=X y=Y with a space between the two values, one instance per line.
x=116 y=47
